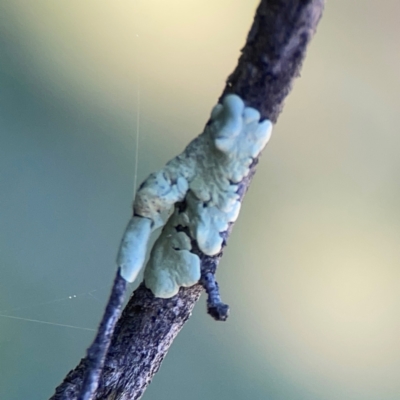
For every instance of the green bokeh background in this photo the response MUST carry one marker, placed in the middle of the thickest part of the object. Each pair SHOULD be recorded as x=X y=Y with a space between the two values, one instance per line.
x=311 y=271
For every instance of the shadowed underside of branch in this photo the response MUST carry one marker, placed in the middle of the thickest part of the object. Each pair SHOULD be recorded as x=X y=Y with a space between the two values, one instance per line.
x=270 y=61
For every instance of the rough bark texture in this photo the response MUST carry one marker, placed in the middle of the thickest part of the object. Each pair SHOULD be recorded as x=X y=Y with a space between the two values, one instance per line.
x=273 y=54
x=270 y=61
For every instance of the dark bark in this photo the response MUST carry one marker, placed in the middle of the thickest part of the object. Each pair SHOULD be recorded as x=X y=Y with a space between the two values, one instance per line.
x=96 y=353
x=270 y=61
x=273 y=54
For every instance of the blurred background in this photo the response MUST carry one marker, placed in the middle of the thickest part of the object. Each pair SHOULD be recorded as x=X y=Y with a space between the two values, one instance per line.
x=311 y=271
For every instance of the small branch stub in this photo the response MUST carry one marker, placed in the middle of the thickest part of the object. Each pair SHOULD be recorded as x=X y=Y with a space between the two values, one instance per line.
x=215 y=307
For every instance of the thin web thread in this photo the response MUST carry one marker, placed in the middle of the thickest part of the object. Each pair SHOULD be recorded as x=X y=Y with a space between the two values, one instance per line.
x=3 y=314
x=135 y=175
x=50 y=302
x=48 y=323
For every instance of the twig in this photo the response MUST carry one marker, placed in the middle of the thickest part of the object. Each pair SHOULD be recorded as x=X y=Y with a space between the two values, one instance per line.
x=96 y=353
x=270 y=61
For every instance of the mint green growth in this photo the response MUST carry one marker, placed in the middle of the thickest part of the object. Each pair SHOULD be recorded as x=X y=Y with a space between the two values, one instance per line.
x=206 y=176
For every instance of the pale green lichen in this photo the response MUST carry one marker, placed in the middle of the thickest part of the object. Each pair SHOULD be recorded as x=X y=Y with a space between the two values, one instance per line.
x=205 y=178
x=171 y=264
x=131 y=256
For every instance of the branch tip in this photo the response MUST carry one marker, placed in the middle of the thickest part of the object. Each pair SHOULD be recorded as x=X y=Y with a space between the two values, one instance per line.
x=215 y=307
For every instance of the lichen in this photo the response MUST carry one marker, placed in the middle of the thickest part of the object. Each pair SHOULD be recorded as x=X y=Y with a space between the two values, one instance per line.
x=204 y=179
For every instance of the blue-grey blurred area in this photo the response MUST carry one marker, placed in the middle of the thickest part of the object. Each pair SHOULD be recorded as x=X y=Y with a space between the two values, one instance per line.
x=311 y=271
